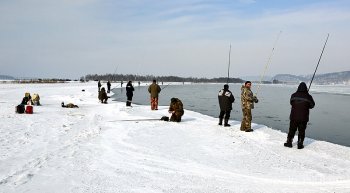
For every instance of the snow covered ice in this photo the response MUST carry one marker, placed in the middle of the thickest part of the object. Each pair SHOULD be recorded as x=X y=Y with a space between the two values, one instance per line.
x=90 y=149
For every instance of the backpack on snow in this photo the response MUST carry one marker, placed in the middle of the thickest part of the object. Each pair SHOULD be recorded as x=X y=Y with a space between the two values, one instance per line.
x=20 y=109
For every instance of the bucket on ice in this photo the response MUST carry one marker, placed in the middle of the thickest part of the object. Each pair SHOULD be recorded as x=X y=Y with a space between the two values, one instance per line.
x=29 y=109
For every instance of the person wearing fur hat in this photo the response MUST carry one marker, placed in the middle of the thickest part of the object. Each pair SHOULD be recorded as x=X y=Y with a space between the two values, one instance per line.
x=176 y=110
x=226 y=99
x=102 y=95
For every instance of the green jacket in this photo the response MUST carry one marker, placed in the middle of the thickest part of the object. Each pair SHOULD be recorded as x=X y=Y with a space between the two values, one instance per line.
x=154 y=89
x=247 y=98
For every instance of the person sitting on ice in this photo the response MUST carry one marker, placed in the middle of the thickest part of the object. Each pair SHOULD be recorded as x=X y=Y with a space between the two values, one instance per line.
x=176 y=110
x=69 y=105
x=27 y=99
x=36 y=99
x=24 y=101
x=102 y=95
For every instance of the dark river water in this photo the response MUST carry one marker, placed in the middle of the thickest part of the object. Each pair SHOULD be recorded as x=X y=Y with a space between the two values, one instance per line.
x=329 y=120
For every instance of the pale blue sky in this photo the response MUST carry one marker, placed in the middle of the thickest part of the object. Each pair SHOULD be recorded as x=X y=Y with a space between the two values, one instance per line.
x=71 y=38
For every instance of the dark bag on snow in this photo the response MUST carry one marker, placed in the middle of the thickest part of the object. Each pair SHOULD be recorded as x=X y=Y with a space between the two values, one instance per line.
x=164 y=118
x=20 y=109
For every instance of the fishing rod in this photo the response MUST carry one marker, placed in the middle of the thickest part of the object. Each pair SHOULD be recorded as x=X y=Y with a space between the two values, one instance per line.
x=313 y=76
x=229 y=65
x=136 y=120
x=268 y=62
x=113 y=75
x=166 y=86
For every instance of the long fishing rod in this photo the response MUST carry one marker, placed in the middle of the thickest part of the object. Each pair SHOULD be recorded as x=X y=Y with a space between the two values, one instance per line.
x=136 y=120
x=116 y=68
x=229 y=65
x=268 y=62
x=313 y=76
x=166 y=86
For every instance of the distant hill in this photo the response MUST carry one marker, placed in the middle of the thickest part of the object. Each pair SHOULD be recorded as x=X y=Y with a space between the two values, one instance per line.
x=256 y=78
x=6 y=77
x=333 y=78
x=328 y=78
x=289 y=78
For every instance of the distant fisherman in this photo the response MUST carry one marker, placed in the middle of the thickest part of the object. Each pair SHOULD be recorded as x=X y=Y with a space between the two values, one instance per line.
x=248 y=100
x=129 y=93
x=226 y=99
x=109 y=87
x=154 y=89
x=99 y=86
x=301 y=102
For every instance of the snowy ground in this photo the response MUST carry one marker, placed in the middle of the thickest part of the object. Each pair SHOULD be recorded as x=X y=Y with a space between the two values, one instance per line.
x=91 y=150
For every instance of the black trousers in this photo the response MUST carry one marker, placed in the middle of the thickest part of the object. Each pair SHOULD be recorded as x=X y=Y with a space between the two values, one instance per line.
x=297 y=125
x=226 y=113
x=128 y=102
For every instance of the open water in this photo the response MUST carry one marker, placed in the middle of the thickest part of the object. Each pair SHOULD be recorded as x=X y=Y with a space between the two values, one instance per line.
x=329 y=120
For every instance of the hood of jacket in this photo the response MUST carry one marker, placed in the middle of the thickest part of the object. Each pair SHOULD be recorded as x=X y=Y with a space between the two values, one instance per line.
x=302 y=87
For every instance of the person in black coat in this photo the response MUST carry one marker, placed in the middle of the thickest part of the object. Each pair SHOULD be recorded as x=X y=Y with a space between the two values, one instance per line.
x=109 y=87
x=129 y=93
x=99 y=86
x=226 y=99
x=301 y=102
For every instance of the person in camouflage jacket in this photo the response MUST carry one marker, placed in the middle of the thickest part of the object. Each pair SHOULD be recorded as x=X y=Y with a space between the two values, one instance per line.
x=176 y=108
x=154 y=89
x=247 y=100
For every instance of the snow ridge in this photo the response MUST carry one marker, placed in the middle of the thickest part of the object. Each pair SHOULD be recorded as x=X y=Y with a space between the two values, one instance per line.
x=90 y=149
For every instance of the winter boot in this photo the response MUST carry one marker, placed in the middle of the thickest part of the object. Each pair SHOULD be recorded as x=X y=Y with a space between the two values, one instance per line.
x=249 y=130
x=300 y=143
x=288 y=143
x=226 y=123
x=220 y=121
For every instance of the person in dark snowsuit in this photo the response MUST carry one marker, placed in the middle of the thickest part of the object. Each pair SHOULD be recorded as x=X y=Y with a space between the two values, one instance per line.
x=99 y=86
x=176 y=110
x=129 y=93
x=301 y=102
x=226 y=99
x=108 y=87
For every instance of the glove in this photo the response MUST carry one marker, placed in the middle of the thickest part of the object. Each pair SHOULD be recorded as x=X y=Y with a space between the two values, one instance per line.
x=255 y=99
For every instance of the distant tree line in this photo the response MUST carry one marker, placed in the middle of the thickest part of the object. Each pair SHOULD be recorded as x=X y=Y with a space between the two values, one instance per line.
x=52 y=80
x=132 y=77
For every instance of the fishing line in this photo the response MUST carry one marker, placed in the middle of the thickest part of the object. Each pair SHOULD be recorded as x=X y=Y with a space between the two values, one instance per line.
x=229 y=65
x=268 y=62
